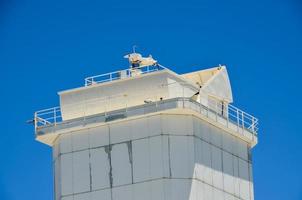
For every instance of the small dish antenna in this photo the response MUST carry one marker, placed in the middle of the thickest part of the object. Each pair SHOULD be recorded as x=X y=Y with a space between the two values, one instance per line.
x=136 y=60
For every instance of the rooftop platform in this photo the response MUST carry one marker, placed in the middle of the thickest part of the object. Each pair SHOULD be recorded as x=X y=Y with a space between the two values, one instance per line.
x=49 y=123
x=147 y=90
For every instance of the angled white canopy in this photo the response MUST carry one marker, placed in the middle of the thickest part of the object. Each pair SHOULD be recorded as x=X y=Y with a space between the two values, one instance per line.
x=214 y=82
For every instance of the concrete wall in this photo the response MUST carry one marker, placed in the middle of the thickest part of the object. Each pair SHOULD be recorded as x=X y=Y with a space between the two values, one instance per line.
x=162 y=157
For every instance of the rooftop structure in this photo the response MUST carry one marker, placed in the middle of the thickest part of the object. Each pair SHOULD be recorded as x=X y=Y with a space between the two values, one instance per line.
x=195 y=106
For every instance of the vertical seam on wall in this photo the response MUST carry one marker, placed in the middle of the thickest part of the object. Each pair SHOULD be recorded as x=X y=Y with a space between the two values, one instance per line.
x=233 y=165
x=90 y=175
x=163 y=155
x=129 y=144
x=249 y=179
x=188 y=157
x=72 y=172
x=149 y=161
x=110 y=165
x=54 y=178
x=222 y=173
x=239 y=180
x=169 y=149
x=211 y=155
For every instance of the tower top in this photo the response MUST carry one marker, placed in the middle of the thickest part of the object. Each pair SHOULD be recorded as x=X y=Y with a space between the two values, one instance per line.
x=144 y=88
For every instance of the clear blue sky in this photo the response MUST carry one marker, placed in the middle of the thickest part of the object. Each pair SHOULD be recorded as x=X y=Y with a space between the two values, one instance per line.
x=48 y=46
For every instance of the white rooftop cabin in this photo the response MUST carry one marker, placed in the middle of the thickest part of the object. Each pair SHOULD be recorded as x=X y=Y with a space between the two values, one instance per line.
x=147 y=89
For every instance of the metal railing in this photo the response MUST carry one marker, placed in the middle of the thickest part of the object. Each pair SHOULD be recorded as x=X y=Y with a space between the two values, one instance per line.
x=46 y=117
x=218 y=110
x=234 y=115
x=122 y=74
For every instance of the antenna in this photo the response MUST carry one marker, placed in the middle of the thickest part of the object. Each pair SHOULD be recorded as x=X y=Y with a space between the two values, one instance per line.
x=133 y=48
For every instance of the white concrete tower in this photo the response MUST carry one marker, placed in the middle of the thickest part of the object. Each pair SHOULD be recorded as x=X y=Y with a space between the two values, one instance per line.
x=149 y=133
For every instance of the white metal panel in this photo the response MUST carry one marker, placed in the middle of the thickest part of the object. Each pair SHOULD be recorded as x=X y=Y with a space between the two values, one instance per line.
x=228 y=172
x=182 y=156
x=159 y=157
x=100 y=168
x=65 y=143
x=201 y=129
x=99 y=136
x=177 y=124
x=81 y=175
x=66 y=174
x=121 y=164
x=101 y=195
x=120 y=132
x=196 y=127
x=195 y=190
x=80 y=140
x=236 y=176
x=141 y=160
x=157 y=189
x=154 y=125
x=251 y=181
x=191 y=162
x=199 y=190
x=84 y=196
x=142 y=191
x=139 y=128
x=198 y=168
x=208 y=192
x=217 y=167
x=217 y=194
x=207 y=170
x=179 y=189
x=205 y=131
x=216 y=136
x=227 y=142
x=55 y=150
x=242 y=150
x=122 y=193
x=244 y=179
x=57 y=178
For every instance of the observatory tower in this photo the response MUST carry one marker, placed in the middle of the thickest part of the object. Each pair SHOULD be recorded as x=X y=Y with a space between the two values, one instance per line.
x=149 y=133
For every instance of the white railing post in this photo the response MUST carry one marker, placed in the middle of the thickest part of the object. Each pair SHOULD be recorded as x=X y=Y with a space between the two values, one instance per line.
x=55 y=116
x=35 y=121
x=238 y=122
x=253 y=124
x=227 y=114
x=242 y=116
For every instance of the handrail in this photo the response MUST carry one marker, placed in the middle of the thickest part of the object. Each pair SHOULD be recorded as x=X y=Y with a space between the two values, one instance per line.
x=122 y=74
x=242 y=120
